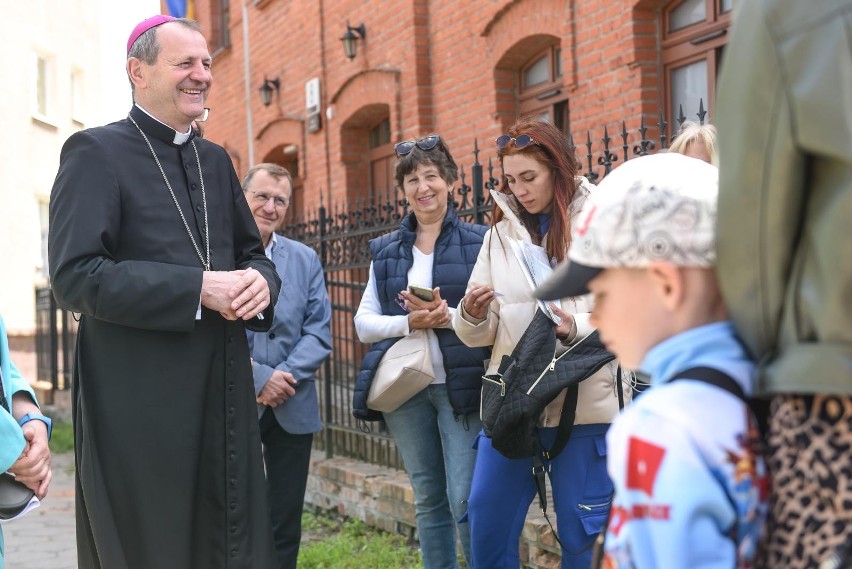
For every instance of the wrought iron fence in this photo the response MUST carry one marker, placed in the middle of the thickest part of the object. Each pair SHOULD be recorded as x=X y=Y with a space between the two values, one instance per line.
x=56 y=332
x=340 y=235
x=341 y=238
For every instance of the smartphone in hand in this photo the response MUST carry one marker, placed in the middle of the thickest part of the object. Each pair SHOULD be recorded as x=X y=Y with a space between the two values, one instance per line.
x=421 y=292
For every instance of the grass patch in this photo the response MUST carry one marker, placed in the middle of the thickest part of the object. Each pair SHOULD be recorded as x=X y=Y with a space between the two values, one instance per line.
x=331 y=543
x=62 y=437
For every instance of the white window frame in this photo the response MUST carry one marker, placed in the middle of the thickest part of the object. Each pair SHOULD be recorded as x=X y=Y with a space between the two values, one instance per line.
x=43 y=84
x=78 y=97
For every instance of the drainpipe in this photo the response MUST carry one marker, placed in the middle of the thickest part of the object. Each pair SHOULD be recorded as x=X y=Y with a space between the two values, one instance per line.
x=327 y=387
x=247 y=81
x=324 y=102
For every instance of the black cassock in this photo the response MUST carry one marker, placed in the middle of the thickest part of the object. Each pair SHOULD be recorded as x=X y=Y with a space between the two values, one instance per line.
x=169 y=469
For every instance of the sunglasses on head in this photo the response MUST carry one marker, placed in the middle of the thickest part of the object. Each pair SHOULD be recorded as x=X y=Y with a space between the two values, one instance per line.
x=405 y=147
x=521 y=141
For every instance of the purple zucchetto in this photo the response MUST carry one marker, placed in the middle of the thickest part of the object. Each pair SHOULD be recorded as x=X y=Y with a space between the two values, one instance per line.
x=144 y=26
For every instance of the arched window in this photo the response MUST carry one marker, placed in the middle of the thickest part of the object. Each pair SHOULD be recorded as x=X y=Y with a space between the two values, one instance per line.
x=541 y=90
x=381 y=159
x=367 y=153
x=694 y=36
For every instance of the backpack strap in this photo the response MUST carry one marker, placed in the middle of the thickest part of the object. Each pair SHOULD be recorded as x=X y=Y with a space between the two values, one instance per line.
x=569 y=414
x=566 y=422
x=759 y=407
x=713 y=377
x=705 y=374
x=726 y=382
x=563 y=433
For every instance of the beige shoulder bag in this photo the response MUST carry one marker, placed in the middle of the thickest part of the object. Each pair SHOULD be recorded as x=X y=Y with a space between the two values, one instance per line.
x=405 y=370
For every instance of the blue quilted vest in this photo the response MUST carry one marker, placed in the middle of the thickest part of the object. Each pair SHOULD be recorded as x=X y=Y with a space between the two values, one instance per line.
x=455 y=255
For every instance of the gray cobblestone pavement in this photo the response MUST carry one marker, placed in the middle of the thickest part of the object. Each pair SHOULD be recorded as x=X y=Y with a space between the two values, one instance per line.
x=45 y=538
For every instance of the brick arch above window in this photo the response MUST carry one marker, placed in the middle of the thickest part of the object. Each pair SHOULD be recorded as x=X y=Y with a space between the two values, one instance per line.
x=523 y=27
x=375 y=86
x=528 y=17
x=367 y=106
x=517 y=34
x=529 y=80
x=276 y=134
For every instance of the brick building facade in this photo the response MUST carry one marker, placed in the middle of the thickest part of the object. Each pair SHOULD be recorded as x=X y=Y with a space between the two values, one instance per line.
x=464 y=69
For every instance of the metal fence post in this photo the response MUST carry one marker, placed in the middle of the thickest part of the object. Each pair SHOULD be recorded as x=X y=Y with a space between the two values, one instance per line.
x=323 y=255
x=476 y=183
x=54 y=343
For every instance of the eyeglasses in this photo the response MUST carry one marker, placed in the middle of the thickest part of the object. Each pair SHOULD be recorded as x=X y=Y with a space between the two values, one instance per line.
x=405 y=147
x=263 y=198
x=522 y=141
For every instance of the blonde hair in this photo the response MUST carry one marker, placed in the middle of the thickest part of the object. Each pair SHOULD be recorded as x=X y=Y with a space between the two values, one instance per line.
x=694 y=133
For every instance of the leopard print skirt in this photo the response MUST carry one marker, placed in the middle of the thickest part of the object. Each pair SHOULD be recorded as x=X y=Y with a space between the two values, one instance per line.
x=809 y=450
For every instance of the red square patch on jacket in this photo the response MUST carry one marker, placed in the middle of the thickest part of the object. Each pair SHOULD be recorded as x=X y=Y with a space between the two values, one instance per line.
x=643 y=463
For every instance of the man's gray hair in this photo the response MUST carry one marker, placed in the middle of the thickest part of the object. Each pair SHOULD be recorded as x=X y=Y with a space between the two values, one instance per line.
x=274 y=170
x=146 y=48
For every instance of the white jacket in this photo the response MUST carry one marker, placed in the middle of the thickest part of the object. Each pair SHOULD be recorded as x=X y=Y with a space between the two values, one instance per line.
x=510 y=314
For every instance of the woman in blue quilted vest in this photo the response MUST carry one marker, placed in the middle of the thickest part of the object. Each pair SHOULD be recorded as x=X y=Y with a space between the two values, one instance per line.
x=435 y=429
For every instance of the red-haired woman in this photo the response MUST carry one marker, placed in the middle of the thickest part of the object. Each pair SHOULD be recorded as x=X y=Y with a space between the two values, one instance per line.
x=539 y=198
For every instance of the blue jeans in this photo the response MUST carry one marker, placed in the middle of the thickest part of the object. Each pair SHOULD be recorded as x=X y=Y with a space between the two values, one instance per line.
x=437 y=449
x=504 y=488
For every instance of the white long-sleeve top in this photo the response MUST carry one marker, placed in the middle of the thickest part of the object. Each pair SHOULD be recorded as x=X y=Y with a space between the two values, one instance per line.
x=373 y=326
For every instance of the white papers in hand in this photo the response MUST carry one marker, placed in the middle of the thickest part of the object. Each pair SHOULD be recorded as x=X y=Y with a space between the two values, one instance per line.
x=33 y=504
x=536 y=268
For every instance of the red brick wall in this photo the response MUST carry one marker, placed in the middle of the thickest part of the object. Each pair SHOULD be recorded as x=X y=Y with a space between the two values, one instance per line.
x=430 y=65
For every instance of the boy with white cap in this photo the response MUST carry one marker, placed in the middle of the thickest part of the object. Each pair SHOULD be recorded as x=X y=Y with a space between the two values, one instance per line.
x=689 y=489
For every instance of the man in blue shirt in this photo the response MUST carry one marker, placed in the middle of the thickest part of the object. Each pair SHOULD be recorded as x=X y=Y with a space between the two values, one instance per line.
x=287 y=357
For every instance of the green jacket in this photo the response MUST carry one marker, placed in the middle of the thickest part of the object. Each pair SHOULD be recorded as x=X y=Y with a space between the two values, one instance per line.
x=784 y=113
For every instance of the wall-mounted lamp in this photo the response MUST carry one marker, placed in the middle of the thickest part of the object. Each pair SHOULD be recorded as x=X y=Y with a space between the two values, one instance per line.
x=350 y=37
x=269 y=86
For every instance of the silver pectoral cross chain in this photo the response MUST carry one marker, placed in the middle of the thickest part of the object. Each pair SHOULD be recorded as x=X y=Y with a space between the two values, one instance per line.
x=205 y=260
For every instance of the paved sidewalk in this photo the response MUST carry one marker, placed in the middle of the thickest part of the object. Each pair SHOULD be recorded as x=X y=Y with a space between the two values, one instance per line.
x=45 y=538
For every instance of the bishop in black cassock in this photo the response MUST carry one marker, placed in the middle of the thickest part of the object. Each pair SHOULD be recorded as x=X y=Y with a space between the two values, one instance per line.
x=169 y=468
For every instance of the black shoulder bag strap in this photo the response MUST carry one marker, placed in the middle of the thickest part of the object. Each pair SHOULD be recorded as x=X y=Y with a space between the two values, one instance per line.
x=569 y=414
x=563 y=433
